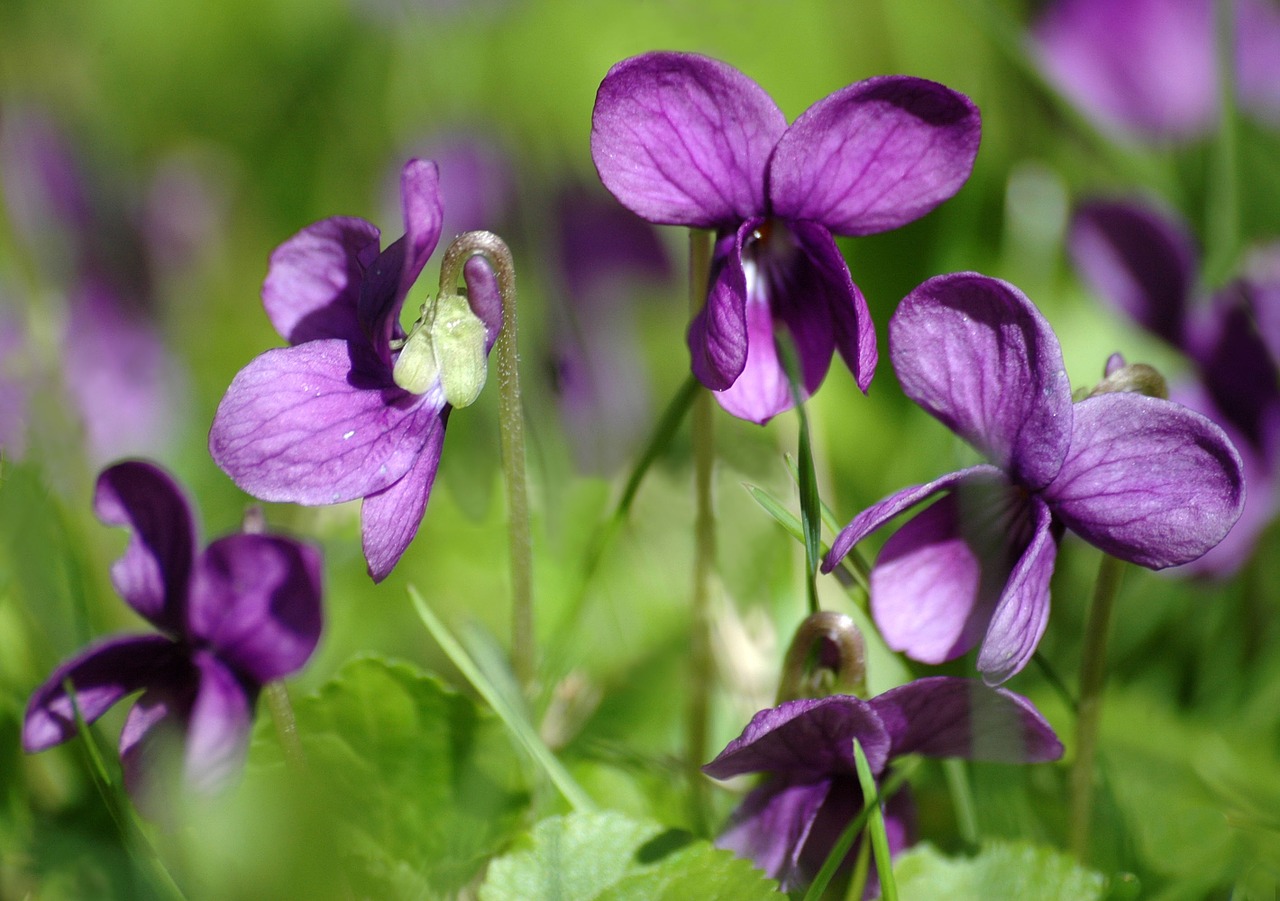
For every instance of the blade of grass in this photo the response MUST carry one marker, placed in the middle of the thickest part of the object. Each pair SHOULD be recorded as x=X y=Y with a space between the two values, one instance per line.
x=853 y=561
x=875 y=826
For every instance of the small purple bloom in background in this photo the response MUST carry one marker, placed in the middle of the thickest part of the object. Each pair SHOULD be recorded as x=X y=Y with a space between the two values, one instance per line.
x=1143 y=479
x=682 y=139
x=789 y=825
x=1145 y=263
x=1147 y=68
x=326 y=420
x=242 y=613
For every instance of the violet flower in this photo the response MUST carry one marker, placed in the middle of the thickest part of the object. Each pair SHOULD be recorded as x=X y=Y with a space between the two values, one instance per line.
x=1145 y=263
x=1143 y=479
x=789 y=825
x=325 y=420
x=241 y=613
x=685 y=140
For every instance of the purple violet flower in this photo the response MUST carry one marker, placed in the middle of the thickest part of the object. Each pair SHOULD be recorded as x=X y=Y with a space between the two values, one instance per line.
x=243 y=612
x=1145 y=263
x=1143 y=479
x=789 y=825
x=325 y=420
x=685 y=140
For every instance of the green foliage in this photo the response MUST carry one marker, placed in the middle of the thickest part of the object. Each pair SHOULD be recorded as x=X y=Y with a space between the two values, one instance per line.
x=1000 y=870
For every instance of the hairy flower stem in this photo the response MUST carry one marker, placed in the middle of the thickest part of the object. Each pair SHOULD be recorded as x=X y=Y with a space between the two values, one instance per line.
x=1093 y=671
x=704 y=554
x=1223 y=213
x=510 y=415
x=286 y=724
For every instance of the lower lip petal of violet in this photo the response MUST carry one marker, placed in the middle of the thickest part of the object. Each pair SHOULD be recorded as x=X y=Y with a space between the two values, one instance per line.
x=789 y=825
x=241 y=613
x=353 y=408
x=682 y=139
x=1143 y=479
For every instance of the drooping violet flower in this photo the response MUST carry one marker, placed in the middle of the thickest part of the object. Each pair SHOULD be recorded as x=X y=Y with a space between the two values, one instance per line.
x=789 y=825
x=326 y=420
x=239 y=614
x=1143 y=479
x=1144 y=262
x=685 y=140
x=1148 y=68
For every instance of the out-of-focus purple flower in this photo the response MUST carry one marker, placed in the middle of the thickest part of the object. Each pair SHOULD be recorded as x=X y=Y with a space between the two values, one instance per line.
x=685 y=140
x=1147 y=68
x=1143 y=479
x=477 y=176
x=789 y=825
x=1145 y=263
x=326 y=420
x=14 y=385
x=239 y=614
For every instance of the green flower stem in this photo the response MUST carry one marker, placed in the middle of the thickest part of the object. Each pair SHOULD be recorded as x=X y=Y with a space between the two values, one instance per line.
x=495 y=252
x=286 y=724
x=1223 y=213
x=1093 y=671
x=704 y=555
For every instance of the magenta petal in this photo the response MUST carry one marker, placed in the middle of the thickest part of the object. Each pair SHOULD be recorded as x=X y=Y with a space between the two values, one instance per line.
x=943 y=716
x=875 y=155
x=313 y=280
x=423 y=216
x=152 y=575
x=772 y=825
x=849 y=318
x=978 y=355
x=484 y=296
x=682 y=139
x=1111 y=494
x=808 y=738
x=255 y=599
x=305 y=424
x=1022 y=613
x=718 y=333
x=102 y=675
x=390 y=518
x=218 y=731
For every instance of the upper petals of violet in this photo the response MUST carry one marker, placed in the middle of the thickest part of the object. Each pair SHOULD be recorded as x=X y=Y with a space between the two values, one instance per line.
x=681 y=139
x=979 y=356
x=875 y=155
x=1109 y=491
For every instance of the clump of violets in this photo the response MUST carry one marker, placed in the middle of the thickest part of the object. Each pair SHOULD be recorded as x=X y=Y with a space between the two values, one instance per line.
x=242 y=612
x=681 y=139
x=789 y=825
x=1143 y=479
x=354 y=407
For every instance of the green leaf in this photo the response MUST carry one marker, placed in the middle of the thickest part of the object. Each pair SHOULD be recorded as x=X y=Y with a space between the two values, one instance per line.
x=1001 y=870
x=599 y=856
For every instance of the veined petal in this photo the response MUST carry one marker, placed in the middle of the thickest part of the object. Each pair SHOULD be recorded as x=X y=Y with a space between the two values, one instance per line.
x=101 y=675
x=313 y=280
x=255 y=599
x=681 y=139
x=854 y=332
x=152 y=575
x=1137 y=260
x=811 y=738
x=771 y=826
x=718 y=333
x=942 y=716
x=1147 y=480
x=318 y=423
x=390 y=518
x=978 y=355
x=875 y=155
x=218 y=731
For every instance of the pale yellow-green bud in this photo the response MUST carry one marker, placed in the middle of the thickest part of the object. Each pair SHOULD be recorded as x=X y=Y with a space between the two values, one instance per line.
x=416 y=369
x=446 y=343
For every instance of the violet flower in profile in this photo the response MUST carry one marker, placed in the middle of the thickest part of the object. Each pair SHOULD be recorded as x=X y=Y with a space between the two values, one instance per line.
x=789 y=825
x=239 y=614
x=1145 y=263
x=685 y=140
x=333 y=417
x=1143 y=479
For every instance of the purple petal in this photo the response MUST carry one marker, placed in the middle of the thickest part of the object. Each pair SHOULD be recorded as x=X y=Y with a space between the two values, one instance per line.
x=943 y=716
x=101 y=675
x=484 y=297
x=600 y=243
x=218 y=731
x=875 y=155
x=1138 y=260
x=255 y=599
x=806 y=739
x=1237 y=367
x=718 y=333
x=1258 y=58
x=390 y=518
x=1147 y=480
x=152 y=738
x=153 y=574
x=319 y=423
x=682 y=139
x=978 y=355
x=854 y=332
x=771 y=826
x=313 y=280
